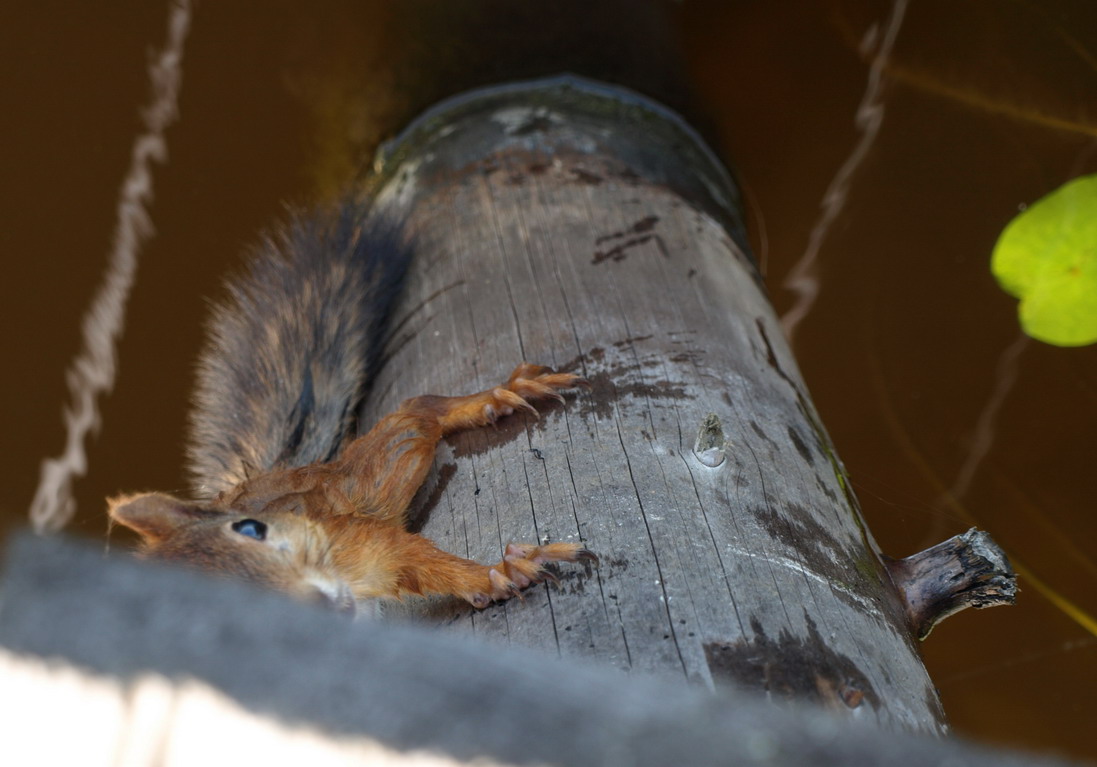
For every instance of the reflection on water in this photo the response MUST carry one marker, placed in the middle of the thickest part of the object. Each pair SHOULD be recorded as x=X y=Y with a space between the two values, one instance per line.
x=91 y=374
x=907 y=350
x=803 y=278
x=982 y=440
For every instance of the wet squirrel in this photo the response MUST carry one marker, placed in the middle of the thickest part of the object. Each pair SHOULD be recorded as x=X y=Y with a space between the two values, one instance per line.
x=282 y=499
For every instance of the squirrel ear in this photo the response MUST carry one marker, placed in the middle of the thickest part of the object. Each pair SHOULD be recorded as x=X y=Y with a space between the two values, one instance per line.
x=154 y=516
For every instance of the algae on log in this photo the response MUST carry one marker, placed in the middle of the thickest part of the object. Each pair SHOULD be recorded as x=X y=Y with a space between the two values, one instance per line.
x=582 y=227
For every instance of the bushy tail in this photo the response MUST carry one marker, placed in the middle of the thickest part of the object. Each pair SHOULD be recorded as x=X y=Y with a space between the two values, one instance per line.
x=291 y=350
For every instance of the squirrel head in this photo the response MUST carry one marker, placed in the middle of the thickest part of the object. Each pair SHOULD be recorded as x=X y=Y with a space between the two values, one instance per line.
x=274 y=546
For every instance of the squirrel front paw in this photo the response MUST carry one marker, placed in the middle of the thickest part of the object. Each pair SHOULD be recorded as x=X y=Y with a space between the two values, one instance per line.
x=524 y=565
x=529 y=383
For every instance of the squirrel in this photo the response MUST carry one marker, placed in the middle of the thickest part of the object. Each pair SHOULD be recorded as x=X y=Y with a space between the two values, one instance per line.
x=283 y=496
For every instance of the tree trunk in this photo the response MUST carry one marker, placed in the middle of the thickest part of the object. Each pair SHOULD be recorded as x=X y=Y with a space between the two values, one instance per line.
x=585 y=228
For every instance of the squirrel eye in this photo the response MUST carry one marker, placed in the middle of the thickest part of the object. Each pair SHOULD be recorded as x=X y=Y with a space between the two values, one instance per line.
x=252 y=528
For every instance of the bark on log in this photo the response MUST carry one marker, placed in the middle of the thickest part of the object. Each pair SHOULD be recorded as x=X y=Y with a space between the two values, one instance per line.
x=568 y=224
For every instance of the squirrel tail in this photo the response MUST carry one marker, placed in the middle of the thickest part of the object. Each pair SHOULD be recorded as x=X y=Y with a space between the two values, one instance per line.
x=290 y=353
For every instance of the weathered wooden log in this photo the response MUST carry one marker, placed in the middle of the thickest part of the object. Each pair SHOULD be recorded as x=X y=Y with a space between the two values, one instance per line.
x=583 y=227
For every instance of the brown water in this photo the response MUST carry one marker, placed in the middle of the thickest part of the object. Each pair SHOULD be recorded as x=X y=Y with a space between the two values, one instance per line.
x=912 y=353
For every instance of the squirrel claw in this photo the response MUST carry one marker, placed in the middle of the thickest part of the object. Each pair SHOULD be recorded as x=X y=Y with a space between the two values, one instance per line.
x=586 y=555
x=538 y=382
x=503 y=587
x=506 y=402
x=548 y=575
x=524 y=565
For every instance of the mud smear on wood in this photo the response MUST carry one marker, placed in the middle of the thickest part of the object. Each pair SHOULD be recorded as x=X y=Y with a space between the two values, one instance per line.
x=761 y=434
x=629 y=342
x=824 y=488
x=800 y=445
x=642 y=226
x=619 y=381
x=687 y=357
x=819 y=551
x=577 y=174
x=619 y=252
x=822 y=442
x=569 y=580
x=585 y=177
x=608 y=387
x=613 y=565
x=636 y=235
x=792 y=668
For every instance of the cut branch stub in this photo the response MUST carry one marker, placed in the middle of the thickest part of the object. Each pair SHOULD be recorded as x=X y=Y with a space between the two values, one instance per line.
x=968 y=570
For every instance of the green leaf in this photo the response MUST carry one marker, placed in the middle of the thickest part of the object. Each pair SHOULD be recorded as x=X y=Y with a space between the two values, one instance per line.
x=1047 y=257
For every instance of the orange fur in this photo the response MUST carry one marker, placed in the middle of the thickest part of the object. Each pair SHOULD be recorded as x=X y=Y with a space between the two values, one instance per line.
x=336 y=531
